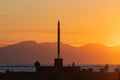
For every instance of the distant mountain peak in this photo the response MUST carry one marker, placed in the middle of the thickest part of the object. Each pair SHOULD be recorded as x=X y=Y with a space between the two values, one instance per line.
x=26 y=52
x=28 y=42
x=95 y=45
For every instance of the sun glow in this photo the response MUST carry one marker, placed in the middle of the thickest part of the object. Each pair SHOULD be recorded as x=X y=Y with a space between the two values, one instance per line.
x=110 y=45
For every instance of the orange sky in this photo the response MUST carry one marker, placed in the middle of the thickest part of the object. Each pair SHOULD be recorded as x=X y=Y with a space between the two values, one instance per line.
x=82 y=21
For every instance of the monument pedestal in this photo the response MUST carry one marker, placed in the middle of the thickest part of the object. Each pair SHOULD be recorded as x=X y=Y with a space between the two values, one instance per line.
x=58 y=62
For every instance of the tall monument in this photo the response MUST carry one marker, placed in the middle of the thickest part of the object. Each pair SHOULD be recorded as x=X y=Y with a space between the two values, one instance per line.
x=58 y=39
x=58 y=62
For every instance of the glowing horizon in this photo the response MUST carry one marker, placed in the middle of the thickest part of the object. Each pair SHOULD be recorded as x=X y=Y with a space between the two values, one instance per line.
x=82 y=21
x=6 y=43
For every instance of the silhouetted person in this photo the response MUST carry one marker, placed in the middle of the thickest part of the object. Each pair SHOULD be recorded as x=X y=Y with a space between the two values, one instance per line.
x=73 y=64
x=106 y=67
x=37 y=64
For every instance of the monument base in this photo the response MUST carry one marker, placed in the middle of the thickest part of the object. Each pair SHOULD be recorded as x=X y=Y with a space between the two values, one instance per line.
x=58 y=62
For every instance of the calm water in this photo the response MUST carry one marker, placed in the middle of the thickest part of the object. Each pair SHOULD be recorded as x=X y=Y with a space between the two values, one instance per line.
x=32 y=68
x=17 y=68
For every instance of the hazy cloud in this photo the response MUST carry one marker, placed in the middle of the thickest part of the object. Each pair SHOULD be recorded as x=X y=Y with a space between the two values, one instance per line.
x=4 y=15
x=6 y=41
x=25 y=31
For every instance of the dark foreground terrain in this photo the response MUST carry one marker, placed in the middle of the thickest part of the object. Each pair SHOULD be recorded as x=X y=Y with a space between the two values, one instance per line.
x=61 y=76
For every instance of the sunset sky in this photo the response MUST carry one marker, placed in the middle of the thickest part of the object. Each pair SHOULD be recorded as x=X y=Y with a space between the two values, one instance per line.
x=82 y=21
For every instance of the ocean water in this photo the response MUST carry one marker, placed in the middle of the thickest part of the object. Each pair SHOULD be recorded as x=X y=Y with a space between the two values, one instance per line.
x=32 y=68
x=17 y=68
x=97 y=68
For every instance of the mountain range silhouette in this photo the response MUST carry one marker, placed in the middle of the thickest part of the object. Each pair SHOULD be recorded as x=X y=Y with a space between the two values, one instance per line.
x=27 y=52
